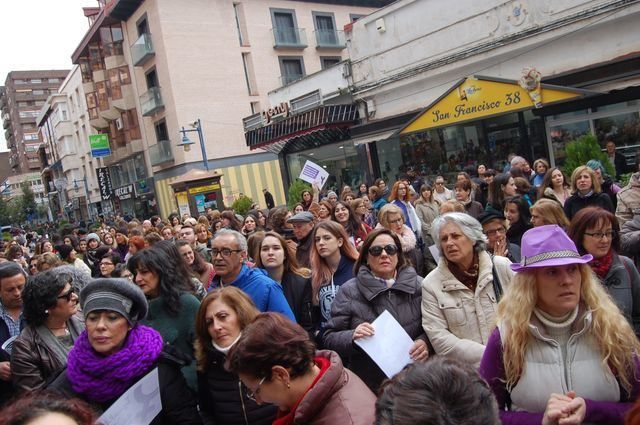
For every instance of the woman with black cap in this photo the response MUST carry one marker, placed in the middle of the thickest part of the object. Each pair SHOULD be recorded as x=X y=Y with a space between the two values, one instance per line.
x=115 y=352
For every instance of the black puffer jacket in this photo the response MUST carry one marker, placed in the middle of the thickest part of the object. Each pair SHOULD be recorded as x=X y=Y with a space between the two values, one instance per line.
x=363 y=299
x=223 y=399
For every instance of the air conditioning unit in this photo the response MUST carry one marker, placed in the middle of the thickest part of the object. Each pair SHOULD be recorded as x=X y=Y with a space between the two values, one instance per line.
x=119 y=124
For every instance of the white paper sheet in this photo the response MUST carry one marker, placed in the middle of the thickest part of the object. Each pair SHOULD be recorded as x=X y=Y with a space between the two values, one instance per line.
x=313 y=173
x=389 y=346
x=138 y=406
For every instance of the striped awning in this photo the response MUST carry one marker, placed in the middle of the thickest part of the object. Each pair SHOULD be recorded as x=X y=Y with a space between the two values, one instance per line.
x=316 y=127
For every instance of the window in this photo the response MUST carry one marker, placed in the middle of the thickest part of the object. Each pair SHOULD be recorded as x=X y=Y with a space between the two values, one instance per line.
x=142 y=26
x=30 y=136
x=326 y=34
x=37 y=92
x=17 y=82
x=255 y=107
x=329 y=61
x=241 y=27
x=53 y=80
x=249 y=74
x=36 y=81
x=292 y=68
x=285 y=29
x=161 y=131
x=151 y=78
x=103 y=95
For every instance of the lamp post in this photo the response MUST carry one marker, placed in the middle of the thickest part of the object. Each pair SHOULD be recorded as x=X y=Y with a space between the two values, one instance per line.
x=186 y=142
x=61 y=184
x=76 y=188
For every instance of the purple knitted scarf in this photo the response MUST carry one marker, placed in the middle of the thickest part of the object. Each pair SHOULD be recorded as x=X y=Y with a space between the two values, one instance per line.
x=101 y=379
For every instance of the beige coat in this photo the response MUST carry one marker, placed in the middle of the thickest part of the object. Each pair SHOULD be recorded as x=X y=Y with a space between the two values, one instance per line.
x=457 y=321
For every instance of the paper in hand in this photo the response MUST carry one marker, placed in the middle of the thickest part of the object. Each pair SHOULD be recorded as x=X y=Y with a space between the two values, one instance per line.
x=139 y=405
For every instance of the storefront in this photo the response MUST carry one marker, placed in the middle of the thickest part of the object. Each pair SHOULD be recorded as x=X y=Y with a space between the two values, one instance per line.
x=479 y=120
x=319 y=134
x=198 y=190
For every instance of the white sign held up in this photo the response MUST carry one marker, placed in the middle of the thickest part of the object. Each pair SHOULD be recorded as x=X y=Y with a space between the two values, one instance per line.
x=314 y=174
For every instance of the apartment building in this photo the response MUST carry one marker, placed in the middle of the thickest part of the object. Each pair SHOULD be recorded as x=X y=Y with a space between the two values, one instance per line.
x=24 y=94
x=150 y=68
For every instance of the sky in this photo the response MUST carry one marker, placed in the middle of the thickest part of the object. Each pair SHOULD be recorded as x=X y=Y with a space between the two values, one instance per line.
x=39 y=34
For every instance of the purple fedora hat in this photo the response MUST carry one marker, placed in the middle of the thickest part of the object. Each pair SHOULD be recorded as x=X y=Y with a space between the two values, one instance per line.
x=546 y=246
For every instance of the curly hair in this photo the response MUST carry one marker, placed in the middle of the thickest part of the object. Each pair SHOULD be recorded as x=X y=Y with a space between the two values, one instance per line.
x=241 y=304
x=272 y=340
x=394 y=192
x=610 y=330
x=40 y=293
x=172 y=279
x=37 y=404
x=278 y=218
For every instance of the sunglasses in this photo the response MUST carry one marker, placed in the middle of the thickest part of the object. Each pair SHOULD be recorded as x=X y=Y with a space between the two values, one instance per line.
x=68 y=295
x=376 y=251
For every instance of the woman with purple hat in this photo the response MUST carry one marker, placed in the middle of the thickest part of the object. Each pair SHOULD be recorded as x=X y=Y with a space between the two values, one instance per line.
x=562 y=352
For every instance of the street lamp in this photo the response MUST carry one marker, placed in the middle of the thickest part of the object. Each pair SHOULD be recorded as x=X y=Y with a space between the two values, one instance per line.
x=186 y=142
x=76 y=188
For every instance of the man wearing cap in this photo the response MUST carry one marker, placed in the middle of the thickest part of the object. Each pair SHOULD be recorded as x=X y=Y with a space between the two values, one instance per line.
x=12 y=280
x=495 y=228
x=302 y=229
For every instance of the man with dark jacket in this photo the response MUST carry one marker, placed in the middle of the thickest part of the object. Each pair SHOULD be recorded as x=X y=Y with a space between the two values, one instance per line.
x=616 y=159
x=12 y=280
x=302 y=230
x=268 y=198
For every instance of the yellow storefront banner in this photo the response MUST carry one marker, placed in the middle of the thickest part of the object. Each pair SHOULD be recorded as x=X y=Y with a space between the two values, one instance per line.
x=481 y=97
x=207 y=188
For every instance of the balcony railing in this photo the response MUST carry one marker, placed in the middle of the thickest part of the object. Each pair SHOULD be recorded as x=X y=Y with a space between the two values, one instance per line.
x=151 y=101
x=330 y=39
x=290 y=78
x=291 y=38
x=160 y=152
x=142 y=50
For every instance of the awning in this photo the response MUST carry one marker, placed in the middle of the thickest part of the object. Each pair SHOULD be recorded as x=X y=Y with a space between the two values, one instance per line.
x=368 y=138
x=479 y=97
x=317 y=127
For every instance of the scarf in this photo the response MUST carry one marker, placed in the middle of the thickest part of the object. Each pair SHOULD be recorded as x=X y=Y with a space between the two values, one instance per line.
x=58 y=349
x=469 y=277
x=225 y=350
x=287 y=418
x=602 y=265
x=101 y=379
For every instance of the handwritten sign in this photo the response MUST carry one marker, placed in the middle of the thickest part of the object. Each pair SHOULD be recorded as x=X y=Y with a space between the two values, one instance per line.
x=314 y=174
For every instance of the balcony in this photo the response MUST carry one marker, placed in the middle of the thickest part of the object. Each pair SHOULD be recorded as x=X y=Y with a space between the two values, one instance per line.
x=330 y=39
x=6 y=121
x=113 y=55
x=290 y=78
x=8 y=134
x=151 y=102
x=289 y=38
x=14 y=161
x=142 y=50
x=160 y=153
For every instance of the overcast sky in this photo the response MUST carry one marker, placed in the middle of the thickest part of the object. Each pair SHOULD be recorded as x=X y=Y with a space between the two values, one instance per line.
x=39 y=34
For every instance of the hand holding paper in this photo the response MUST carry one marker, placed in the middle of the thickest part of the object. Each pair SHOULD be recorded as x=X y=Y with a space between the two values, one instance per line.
x=389 y=346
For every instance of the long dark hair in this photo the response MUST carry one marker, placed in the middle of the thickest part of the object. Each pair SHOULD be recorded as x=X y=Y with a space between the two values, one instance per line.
x=199 y=263
x=353 y=224
x=496 y=196
x=171 y=277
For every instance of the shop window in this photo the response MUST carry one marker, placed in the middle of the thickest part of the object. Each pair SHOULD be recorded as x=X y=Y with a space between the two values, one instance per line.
x=623 y=128
x=562 y=134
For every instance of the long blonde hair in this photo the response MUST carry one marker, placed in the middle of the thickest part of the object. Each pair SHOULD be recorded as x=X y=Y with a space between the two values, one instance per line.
x=610 y=329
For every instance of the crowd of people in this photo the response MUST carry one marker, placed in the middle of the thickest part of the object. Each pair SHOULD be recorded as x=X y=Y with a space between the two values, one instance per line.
x=519 y=290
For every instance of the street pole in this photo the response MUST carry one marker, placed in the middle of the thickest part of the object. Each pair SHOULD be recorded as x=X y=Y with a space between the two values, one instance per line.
x=186 y=143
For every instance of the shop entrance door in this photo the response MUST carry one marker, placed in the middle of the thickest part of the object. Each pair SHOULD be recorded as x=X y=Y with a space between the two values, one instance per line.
x=503 y=135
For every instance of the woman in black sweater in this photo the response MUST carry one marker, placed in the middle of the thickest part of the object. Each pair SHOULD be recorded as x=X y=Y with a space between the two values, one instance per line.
x=586 y=193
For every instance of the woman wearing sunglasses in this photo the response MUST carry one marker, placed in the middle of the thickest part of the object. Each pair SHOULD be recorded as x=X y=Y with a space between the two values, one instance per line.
x=41 y=350
x=384 y=281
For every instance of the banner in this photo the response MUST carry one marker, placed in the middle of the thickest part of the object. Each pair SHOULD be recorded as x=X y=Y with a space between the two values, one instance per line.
x=99 y=145
x=125 y=192
x=104 y=182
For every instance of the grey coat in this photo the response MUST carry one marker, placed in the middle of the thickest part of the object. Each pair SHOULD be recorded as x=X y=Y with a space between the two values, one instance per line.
x=623 y=284
x=630 y=238
x=363 y=299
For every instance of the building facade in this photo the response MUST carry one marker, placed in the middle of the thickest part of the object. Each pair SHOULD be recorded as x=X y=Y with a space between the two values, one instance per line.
x=404 y=69
x=152 y=68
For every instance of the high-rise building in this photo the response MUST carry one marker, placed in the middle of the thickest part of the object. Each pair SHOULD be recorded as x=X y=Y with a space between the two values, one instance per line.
x=151 y=68
x=24 y=94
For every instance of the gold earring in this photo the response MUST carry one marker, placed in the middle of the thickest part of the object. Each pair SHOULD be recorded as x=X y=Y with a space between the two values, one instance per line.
x=288 y=385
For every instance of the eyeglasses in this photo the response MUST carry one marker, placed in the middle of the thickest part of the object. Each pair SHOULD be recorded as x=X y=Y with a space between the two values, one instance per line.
x=439 y=183
x=501 y=230
x=106 y=263
x=601 y=235
x=226 y=252
x=251 y=395
x=376 y=251
x=67 y=295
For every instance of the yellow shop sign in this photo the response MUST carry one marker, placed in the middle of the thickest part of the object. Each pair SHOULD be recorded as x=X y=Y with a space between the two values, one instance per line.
x=480 y=97
x=207 y=188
